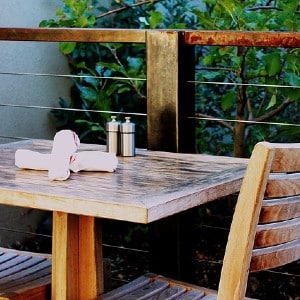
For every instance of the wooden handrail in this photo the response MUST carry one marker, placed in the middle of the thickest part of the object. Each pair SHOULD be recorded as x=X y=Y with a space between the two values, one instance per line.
x=191 y=37
x=73 y=35
x=242 y=38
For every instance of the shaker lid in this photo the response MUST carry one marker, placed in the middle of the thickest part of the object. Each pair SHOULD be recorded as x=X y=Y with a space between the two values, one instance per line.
x=113 y=125
x=127 y=126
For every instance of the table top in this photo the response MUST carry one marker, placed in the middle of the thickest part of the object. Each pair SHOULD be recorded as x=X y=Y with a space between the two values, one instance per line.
x=148 y=187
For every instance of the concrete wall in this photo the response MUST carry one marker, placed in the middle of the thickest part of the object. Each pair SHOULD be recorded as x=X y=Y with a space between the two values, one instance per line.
x=27 y=90
x=28 y=57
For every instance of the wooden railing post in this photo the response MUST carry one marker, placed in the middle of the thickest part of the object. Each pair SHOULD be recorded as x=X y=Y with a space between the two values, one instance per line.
x=162 y=90
x=169 y=101
x=186 y=96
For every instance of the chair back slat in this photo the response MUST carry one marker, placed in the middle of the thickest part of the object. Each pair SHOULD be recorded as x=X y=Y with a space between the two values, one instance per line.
x=280 y=239
x=280 y=209
x=265 y=229
x=283 y=185
x=287 y=157
x=277 y=233
x=275 y=256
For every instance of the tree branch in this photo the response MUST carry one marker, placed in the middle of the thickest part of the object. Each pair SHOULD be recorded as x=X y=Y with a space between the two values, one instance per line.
x=213 y=69
x=125 y=7
x=266 y=7
x=114 y=53
x=221 y=122
x=275 y=111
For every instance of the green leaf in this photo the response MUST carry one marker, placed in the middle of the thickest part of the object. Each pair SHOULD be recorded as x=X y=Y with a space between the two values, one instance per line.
x=67 y=47
x=92 y=81
x=88 y=93
x=113 y=66
x=211 y=75
x=272 y=101
x=156 y=18
x=226 y=50
x=96 y=128
x=60 y=12
x=112 y=89
x=292 y=94
x=81 y=65
x=124 y=89
x=272 y=63
x=228 y=100
x=91 y=20
x=208 y=59
x=292 y=79
x=293 y=60
x=135 y=63
x=82 y=22
x=48 y=23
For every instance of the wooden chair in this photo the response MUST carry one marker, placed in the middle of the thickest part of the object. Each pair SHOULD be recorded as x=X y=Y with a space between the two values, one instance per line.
x=265 y=230
x=24 y=275
x=27 y=275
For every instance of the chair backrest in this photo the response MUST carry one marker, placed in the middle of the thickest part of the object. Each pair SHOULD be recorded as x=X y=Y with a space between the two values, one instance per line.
x=265 y=229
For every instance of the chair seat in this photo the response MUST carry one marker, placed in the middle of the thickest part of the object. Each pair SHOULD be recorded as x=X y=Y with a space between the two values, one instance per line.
x=24 y=275
x=152 y=286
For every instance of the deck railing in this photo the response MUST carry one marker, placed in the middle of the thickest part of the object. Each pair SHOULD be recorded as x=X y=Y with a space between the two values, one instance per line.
x=170 y=66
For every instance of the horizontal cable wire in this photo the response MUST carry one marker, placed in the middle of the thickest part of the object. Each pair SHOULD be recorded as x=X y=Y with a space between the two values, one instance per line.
x=15 y=137
x=72 y=109
x=50 y=236
x=281 y=273
x=244 y=121
x=144 y=114
x=144 y=79
x=125 y=248
x=25 y=232
x=215 y=262
x=70 y=76
x=244 y=84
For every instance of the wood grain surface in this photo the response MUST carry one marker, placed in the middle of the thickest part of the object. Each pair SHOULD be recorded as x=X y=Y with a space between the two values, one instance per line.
x=144 y=188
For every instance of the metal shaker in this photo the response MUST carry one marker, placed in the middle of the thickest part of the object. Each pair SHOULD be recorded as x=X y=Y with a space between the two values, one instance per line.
x=127 y=138
x=112 y=136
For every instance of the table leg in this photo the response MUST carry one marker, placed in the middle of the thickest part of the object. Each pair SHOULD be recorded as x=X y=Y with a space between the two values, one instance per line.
x=91 y=281
x=77 y=267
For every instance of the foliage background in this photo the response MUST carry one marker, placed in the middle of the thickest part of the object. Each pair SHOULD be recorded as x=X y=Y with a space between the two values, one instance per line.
x=251 y=67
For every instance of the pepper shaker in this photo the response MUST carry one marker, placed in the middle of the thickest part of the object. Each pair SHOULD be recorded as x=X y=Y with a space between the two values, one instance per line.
x=112 y=136
x=127 y=138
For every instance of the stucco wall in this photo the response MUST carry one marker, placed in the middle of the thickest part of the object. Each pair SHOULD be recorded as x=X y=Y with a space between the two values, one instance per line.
x=28 y=57
x=27 y=90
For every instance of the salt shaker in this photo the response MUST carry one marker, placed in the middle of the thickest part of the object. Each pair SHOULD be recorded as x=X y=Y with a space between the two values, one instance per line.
x=112 y=136
x=127 y=138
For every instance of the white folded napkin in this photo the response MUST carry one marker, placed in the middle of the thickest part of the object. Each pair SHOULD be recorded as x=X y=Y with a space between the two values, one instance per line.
x=93 y=161
x=63 y=158
x=27 y=159
x=65 y=144
x=96 y=161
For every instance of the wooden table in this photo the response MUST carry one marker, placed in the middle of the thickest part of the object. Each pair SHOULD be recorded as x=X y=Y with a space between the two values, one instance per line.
x=145 y=188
